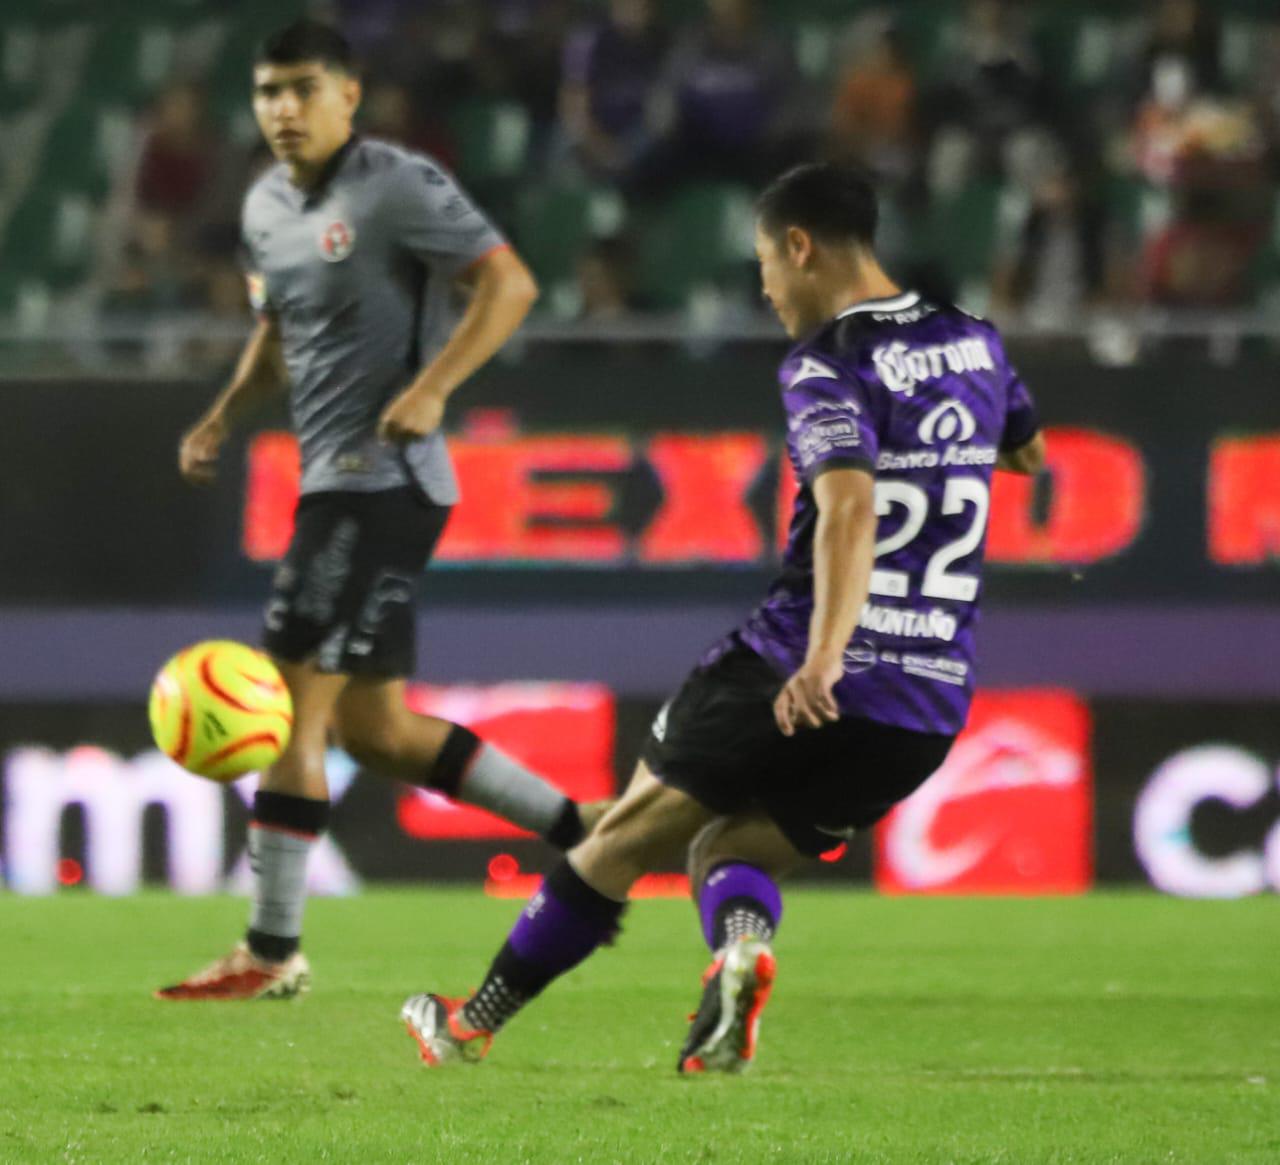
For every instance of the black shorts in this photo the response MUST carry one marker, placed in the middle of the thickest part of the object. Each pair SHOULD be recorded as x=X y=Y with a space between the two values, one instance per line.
x=344 y=594
x=717 y=740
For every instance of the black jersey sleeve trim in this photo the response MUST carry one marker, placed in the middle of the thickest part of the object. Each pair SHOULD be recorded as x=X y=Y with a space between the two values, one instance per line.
x=1022 y=435
x=845 y=462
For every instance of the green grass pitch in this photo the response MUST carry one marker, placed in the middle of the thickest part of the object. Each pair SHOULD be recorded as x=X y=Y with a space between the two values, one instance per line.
x=1113 y=1028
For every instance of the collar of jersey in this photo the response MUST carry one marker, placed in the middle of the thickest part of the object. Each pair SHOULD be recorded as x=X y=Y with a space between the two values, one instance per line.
x=891 y=304
x=315 y=192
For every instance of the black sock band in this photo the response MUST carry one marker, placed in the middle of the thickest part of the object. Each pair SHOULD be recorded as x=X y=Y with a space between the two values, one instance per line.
x=285 y=811
x=568 y=829
x=568 y=885
x=460 y=747
x=271 y=948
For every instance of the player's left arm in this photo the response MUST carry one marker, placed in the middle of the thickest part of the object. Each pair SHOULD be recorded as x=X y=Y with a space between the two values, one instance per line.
x=843 y=550
x=1027 y=458
x=1022 y=447
x=502 y=292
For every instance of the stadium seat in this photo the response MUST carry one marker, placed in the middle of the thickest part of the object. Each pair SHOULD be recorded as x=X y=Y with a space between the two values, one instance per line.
x=493 y=139
x=50 y=236
x=20 y=73
x=554 y=224
x=1076 y=46
x=1240 y=41
x=76 y=154
x=704 y=236
x=926 y=27
x=128 y=61
x=961 y=230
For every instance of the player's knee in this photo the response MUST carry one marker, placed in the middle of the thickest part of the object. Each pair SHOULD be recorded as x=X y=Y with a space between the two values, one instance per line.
x=623 y=842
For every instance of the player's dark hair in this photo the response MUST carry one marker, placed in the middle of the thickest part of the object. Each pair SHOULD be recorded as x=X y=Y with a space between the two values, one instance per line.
x=832 y=202
x=307 y=40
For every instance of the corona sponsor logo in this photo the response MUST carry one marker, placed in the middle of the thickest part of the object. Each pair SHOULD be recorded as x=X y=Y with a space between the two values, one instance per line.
x=901 y=366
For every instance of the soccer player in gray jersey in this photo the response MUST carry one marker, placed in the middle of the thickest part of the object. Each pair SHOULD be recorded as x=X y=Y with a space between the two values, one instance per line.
x=843 y=691
x=357 y=250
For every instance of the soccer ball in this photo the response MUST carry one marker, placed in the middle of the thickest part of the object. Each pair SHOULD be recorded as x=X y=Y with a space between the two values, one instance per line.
x=220 y=709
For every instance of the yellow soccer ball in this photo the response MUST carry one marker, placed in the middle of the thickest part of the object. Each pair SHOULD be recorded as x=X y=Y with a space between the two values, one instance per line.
x=220 y=709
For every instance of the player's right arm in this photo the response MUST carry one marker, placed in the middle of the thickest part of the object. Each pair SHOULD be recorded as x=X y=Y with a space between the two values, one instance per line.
x=260 y=374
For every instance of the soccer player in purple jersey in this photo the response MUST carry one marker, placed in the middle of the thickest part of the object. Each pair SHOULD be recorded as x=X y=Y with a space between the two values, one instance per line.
x=843 y=691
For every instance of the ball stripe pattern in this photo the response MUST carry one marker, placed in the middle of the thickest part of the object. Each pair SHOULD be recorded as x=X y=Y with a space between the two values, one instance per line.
x=221 y=709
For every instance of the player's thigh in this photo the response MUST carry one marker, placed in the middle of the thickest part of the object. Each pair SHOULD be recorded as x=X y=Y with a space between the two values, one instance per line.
x=753 y=838
x=716 y=739
x=315 y=694
x=375 y=725
x=650 y=827
x=299 y=770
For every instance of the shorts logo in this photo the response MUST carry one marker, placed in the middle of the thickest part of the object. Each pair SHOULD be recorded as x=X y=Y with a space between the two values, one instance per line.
x=659 y=728
x=950 y=421
x=337 y=241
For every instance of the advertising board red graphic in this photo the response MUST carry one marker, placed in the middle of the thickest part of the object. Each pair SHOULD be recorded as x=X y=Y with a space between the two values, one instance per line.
x=1244 y=500
x=1008 y=813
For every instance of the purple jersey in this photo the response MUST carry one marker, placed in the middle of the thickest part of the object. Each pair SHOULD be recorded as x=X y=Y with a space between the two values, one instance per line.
x=922 y=396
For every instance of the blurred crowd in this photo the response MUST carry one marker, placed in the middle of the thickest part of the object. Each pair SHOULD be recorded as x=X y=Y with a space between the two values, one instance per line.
x=1152 y=183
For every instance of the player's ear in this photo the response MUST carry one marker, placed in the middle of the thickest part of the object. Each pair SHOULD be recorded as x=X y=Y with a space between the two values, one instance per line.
x=798 y=244
x=352 y=91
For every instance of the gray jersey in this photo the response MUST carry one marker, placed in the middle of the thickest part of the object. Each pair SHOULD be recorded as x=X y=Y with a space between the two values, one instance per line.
x=358 y=272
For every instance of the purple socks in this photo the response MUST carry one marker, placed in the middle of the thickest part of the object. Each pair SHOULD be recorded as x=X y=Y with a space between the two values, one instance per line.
x=559 y=927
x=738 y=900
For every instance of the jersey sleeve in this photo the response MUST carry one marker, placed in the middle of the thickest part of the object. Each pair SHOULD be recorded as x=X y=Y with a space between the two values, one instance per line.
x=829 y=420
x=1021 y=421
x=434 y=219
x=254 y=280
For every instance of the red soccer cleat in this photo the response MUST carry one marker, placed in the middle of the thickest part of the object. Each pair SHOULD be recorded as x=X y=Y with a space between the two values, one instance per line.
x=240 y=975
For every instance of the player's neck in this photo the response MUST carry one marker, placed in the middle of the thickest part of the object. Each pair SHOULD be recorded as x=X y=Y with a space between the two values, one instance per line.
x=869 y=283
x=307 y=175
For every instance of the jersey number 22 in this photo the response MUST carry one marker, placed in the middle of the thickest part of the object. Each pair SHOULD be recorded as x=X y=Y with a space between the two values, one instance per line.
x=938 y=582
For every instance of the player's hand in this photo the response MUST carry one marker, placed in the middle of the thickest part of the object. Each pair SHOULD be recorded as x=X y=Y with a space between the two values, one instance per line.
x=413 y=414
x=806 y=700
x=198 y=452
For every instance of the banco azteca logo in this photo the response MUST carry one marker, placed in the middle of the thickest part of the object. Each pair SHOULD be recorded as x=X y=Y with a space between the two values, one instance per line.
x=949 y=421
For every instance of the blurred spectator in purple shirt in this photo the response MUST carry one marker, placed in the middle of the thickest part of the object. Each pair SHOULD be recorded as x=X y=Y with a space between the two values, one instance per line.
x=521 y=53
x=728 y=93
x=609 y=72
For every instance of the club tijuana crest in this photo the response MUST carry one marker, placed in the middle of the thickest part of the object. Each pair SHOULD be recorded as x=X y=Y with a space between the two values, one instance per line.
x=337 y=241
